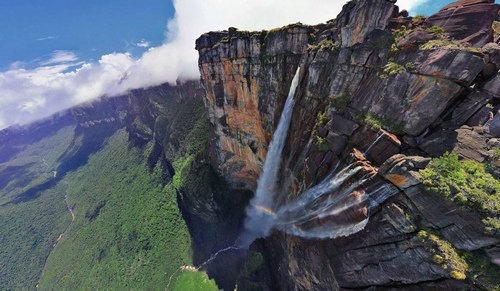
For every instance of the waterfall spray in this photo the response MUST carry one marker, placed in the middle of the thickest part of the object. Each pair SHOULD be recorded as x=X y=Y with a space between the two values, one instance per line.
x=260 y=218
x=339 y=205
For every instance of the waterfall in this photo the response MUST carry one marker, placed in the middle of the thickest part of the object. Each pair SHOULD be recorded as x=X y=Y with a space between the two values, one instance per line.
x=339 y=205
x=259 y=221
x=339 y=210
x=379 y=136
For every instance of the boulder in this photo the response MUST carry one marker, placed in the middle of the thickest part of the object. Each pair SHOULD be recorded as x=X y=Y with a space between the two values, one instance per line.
x=376 y=145
x=439 y=142
x=494 y=254
x=415 y=38
x=341 y=125
x=402 y=171
x=471 y=144
x=491 y=53
x=468 y=107
x=462 y=228
x=458 y=66
x=410 y=101
x=359 y=18
x=407 y=260
x=494 y=126
x=493 y=86
x=468 y=20
x=481 y=117
x=336 y=142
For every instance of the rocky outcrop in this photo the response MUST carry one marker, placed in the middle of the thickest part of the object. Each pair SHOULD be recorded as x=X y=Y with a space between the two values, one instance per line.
x=456 y=19
x=246 y=79
x=357 y=20
x=398 y=95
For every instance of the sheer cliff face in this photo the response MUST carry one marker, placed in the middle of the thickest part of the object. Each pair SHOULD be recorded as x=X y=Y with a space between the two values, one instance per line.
x=430 y=86
x=246 y=78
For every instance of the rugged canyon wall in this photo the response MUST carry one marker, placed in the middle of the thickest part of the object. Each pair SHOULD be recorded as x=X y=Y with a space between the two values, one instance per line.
x=402 y=90
x=169 y=125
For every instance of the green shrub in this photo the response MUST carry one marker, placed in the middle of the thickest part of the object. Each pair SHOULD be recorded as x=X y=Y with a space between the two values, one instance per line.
x=400 y=33
x=482 y=272
x=253 y=263
x=321 y=119
x=496 y=29
x=419 y=17
x=496 y=153
x=397 y=35
x=286 y=27
x=467 y=183
x=312 y=37
x=376 y=122
x=440 y=43
x=444 y=254
x=321 y=143
x=325 y=45
x=340 y=101
x=435 y=29
x=392 y=69
x=492 y=224
x=370 y=120
x=458 y=275
x=409 y=66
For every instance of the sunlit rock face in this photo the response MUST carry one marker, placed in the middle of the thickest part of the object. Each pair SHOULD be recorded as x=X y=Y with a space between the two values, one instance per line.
x=246 y=79
x=363 y=97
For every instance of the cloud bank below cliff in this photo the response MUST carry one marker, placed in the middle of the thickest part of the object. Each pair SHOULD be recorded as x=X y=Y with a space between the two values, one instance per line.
x=62 y=80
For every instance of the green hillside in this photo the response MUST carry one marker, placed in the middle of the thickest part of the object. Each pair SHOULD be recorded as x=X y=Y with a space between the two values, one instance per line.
x=127 y=233
x=28 y=230
x=90 y=208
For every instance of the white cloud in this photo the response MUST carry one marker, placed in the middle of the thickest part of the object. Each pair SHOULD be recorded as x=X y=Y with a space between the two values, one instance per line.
x=411 y=4
x=32 y=105
x=143 y=43
x=50 y=37
x=58 y=57
x=30 y=94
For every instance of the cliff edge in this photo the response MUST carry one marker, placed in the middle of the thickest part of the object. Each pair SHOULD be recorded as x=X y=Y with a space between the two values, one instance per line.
x=403 y=90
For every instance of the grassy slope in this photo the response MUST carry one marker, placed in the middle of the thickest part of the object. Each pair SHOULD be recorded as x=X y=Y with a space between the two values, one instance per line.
x=189 y=281
x=28 y=230
x=34 y=165
x=27 y=234
x=128 y=231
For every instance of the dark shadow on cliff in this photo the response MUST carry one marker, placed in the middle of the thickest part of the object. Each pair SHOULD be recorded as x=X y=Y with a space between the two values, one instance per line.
x=214 y=215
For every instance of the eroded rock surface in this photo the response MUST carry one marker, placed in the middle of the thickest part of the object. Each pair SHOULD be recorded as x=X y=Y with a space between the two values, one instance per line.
x=362 y=88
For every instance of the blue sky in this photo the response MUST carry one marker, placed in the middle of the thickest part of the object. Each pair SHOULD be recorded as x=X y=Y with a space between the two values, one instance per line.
x=31 y=29
x=429 y=7
x=432 y=6
x=55 y=54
